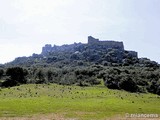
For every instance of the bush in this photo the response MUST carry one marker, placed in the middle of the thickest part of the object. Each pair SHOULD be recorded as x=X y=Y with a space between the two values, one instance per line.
x=40 y=77
x=9 y=83
x=158 y=90
x=112 y=84
x=128 y=84
x=1 y=72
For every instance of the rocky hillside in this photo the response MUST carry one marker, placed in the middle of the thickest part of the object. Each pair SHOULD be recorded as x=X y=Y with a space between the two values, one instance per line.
x=104 y=52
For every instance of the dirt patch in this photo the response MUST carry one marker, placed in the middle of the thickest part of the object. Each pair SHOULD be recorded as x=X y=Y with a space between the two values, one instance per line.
x=52 y=116
x=124 y=118
x=85 y=113
x=60 y=116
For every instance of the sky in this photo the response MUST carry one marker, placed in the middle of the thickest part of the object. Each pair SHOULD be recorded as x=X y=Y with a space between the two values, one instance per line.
x=27 y=25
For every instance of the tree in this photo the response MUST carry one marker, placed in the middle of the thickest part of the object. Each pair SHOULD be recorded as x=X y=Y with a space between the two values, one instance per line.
x=128 y=84
x=40 y=77
x=17 y=75
x=49 y=75
x=1 y=72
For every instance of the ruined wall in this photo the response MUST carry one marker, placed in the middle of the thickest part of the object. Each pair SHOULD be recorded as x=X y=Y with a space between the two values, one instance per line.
x=133 y=54
x=46 y=49
x=64 y=48
x=93 y=44
x=107 y=44
x=92 y=40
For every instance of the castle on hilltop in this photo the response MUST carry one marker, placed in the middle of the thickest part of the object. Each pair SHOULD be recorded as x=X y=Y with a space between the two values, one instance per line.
x=93 y=43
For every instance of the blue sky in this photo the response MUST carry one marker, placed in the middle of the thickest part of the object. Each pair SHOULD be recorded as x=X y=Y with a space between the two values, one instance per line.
x=27 y=25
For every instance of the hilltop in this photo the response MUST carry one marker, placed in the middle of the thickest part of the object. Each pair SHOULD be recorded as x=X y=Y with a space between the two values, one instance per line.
x=93 y=51
x=104 y=52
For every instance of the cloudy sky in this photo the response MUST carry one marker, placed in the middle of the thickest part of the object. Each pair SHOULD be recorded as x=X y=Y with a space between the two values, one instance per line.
x=27 y=25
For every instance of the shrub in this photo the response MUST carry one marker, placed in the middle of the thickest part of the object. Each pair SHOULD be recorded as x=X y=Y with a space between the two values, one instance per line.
x=128 y=84
x=158 y=90
x=9 y=83
x=1 y=72
x=112 y=84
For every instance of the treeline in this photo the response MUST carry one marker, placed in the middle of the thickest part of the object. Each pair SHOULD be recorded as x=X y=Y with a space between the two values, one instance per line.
x=133 y=79
x=43 y=75
x=129 y=78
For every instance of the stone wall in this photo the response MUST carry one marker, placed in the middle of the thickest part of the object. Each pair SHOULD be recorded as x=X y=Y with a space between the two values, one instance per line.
x=64 y=48
x=46 y=49
x=133 y=54
x=92 y=40
x=107 y=44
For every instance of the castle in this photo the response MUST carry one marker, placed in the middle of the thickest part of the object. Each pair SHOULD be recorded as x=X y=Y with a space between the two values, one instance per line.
x=107 y=44
x=92 y=43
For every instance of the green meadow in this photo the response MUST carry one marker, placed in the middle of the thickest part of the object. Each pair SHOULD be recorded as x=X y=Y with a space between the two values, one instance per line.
x=82 y=103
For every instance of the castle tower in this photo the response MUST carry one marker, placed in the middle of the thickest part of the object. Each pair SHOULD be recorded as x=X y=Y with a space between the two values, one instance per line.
x=46 y=49
x=92 y=40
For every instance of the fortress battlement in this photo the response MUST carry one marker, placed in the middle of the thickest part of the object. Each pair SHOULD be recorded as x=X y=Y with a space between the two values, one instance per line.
x=106 y=43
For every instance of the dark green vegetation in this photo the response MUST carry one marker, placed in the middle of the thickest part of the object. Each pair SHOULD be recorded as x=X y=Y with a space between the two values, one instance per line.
x=84 y=103
x=129 y=78
x=15 y=76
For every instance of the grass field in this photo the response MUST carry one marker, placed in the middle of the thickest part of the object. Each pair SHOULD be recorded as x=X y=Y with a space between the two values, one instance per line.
x=82 y=103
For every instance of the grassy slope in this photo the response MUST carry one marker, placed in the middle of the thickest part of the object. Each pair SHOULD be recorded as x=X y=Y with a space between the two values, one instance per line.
x=74 y=102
